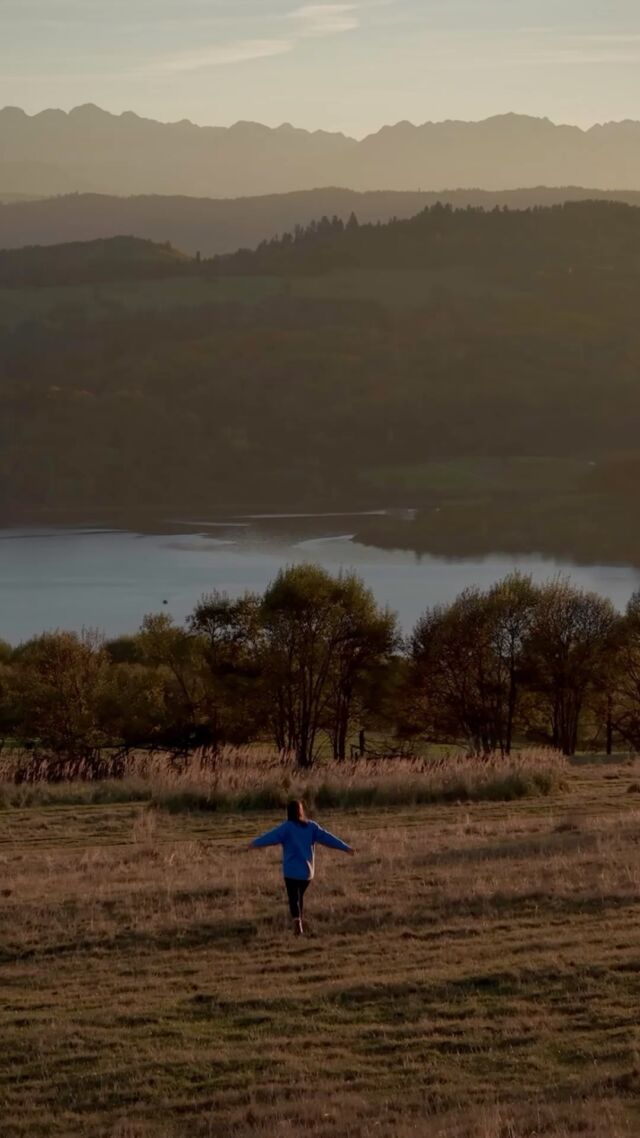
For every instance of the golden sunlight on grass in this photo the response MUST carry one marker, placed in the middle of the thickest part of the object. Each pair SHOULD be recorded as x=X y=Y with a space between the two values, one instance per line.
x=473 y=973
x=257 y=778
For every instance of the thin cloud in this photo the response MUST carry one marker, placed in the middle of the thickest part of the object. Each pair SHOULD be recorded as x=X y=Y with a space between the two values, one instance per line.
x=325 y=19
x=221 y=55
x=581 y=57
x=311 y=20
x=592 y=49
x=611 y=37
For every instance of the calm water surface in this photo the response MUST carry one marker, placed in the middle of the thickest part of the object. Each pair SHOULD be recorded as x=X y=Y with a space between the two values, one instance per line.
x=70 y=578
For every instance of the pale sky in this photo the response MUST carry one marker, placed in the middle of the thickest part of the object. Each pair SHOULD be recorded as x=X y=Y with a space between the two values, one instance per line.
x=338 y=66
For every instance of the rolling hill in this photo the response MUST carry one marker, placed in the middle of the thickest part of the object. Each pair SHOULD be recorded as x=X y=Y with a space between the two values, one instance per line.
x=82 y=262
x=223 y=225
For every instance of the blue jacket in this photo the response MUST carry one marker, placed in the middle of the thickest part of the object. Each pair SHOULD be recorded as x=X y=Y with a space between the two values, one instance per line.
x=298 y=841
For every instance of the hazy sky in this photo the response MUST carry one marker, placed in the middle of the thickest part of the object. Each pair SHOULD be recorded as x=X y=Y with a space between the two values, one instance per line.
x=341 y=66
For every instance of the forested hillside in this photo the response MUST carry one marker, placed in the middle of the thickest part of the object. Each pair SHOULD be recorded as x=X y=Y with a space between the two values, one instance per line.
x=209 y=225
x=337 y=365
x=85 y=262
x=516 y=245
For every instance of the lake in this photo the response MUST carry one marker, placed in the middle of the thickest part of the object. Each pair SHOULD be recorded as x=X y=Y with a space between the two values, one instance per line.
x=106 y=579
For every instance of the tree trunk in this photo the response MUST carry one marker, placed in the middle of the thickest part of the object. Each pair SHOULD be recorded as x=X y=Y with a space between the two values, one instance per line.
x=343 y=729
x=609 y=725
x=511 y=714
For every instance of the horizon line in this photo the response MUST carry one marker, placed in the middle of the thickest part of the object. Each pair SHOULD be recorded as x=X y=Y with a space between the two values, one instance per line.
x=287 y=125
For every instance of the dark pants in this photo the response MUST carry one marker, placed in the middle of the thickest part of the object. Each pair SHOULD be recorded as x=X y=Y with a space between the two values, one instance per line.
x=296 y=890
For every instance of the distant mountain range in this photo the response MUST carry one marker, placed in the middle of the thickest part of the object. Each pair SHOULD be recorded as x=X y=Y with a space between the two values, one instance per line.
x=212 y=226
x=90 y=150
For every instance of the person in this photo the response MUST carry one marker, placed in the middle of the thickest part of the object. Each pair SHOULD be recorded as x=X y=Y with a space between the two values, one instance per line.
x=298 y=837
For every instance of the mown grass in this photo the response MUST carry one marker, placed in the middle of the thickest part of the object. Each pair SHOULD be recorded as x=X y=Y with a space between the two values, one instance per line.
x=473 y=973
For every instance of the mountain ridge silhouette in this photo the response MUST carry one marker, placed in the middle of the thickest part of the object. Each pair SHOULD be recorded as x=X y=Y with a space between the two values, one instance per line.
x=91 y=150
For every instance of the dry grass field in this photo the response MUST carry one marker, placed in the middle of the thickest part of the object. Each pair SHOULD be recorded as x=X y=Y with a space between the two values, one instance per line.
x=473 y=973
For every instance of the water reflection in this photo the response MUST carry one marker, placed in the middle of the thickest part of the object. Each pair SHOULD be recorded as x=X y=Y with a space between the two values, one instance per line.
x=65 y=578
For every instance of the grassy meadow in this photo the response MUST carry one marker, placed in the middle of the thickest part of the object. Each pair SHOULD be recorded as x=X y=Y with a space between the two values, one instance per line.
x=473 y=973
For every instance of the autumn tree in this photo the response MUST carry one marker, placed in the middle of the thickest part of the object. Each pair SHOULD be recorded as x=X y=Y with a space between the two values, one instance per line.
x=58 y=683
x=454 y=672
x=178 y=657
x=366 y=639
x=568 y=650
x=8 y=721
x=233 y=643
x=625 y=697
x=468 y=660
x=511 y=605
x=322 y=634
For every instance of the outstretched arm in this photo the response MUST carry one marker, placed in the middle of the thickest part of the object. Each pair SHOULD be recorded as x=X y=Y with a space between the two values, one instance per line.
x=325 y=838
x=271 y=838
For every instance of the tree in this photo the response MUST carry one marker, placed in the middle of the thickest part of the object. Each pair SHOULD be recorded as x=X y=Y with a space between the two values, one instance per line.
x=317 y=652
x=233 y=639
x=124 y=650
x=366 y=639
x=567 y=650
x=624 y=700
x=468 y=661
x=135 y=706
x=183 y=724
x=8 y=720
x=454 y=671
x=512 y=605
x=58 y=683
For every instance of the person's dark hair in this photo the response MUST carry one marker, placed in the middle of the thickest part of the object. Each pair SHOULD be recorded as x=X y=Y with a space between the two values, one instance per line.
x=296 y=812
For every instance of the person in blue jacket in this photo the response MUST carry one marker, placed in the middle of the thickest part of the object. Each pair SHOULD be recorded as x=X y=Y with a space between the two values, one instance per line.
x=298 y=837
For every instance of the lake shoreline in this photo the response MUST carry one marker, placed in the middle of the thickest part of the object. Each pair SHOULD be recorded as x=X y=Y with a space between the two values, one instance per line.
x=177 y=519
x=456 y=513
x=390 y=529
x=109 y=579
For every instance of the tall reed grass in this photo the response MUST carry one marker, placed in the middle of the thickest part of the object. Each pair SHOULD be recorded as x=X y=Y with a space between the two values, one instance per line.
x=259 y=779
